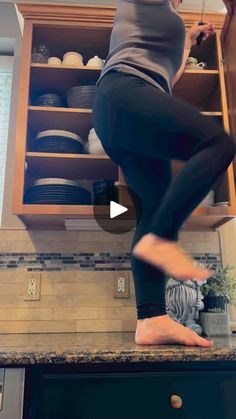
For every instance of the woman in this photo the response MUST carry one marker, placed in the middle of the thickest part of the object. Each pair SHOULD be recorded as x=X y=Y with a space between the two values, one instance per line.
x=142 y=127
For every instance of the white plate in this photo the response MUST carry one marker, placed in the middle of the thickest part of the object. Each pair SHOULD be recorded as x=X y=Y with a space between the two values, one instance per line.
x=224 y=203
x=55 y=181
x=61 y=133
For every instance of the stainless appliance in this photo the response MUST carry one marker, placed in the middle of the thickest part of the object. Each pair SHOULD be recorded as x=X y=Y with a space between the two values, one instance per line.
x=11 y=393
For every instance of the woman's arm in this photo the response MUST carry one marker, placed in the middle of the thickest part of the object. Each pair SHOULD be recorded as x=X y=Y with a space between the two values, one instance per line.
x=190 y=40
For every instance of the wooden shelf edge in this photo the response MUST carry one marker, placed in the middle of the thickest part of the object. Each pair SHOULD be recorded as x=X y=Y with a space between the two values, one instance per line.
x=58 y=109
x=51 y=222
x=212 y=113
x=89 y=110
x=87 y=68
x=67 y=156
x=52 y=209
x=59 y=210
x=65 y=67
x=209 y=72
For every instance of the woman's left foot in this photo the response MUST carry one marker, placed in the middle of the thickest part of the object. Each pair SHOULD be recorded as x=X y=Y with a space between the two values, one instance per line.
x=168 y=256
x=162 y=330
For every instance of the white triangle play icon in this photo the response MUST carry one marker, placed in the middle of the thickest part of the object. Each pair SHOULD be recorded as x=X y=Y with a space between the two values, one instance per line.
x=116 y=209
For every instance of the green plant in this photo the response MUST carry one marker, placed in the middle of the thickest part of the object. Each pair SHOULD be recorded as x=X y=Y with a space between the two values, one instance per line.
x=221 y=284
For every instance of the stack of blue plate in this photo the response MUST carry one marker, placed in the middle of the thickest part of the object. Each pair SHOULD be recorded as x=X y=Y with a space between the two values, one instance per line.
x=81 y=96
x=57 y=191
x=58 y=141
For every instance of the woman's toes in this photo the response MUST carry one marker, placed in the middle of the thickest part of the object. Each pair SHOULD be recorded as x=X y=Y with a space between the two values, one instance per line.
x=204 y=342
x=193 y=339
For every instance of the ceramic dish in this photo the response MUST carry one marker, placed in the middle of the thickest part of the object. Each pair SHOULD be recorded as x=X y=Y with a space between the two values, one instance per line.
x=62 y=133
x=56 y=181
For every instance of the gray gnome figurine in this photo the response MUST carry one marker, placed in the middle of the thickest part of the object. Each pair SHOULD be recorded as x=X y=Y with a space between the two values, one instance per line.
x=184 y=302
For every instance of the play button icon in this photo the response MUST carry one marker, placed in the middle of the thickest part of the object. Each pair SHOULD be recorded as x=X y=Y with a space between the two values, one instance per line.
x=116 y=209
x=120 y=215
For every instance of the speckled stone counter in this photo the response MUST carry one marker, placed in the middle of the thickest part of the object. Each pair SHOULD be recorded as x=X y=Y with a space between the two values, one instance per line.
x=29 y=349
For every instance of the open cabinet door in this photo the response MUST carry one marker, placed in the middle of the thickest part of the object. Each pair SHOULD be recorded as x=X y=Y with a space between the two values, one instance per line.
x=229 y=53
x=228 y=231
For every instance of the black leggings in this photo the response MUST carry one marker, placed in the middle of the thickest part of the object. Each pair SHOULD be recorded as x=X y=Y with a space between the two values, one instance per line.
x=142 y=129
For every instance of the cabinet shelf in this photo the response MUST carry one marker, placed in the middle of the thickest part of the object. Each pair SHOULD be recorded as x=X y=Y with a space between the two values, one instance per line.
x=53 y=216
x=46 y=78
x=200 y=88
x=43 y=118
x=71 y=166
x=78 y=120
x=95 y=69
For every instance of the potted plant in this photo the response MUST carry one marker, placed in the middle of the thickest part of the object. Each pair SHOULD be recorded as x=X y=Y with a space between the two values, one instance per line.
x=219 y=290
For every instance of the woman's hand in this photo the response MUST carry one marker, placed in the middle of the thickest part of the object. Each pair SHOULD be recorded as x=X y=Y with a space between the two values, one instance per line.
x=195 y=30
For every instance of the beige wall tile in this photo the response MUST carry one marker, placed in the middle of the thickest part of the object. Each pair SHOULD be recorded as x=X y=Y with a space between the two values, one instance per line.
x=12 y=277
x=94 y=313
x=201 y=247
x=38 y=327
x=14 y=327
x=105 y=325
x=62 y=326
x=129 y=325
x=81 y=276
x=58 y=301
x=15 y=235
x=188 y=236
x=12 y=289
x=26 y=314
x=99 y=325
x=76 y=288
x=212 y=236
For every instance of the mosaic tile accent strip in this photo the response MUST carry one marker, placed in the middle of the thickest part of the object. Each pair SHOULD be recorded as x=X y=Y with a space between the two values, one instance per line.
x=81 y=261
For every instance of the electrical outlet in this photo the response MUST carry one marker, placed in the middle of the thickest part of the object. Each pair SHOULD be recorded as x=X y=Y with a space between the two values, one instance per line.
x=32 y=286
x=121 y=285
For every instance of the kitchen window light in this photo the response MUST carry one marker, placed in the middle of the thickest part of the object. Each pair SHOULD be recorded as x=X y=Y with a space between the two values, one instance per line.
x=6 y=63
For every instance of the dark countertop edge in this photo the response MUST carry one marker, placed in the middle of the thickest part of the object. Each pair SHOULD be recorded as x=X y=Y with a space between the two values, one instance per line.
x=52 y=357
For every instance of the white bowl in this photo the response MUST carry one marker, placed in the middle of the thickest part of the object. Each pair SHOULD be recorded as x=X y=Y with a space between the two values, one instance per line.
x=73 y=62
x=94 y=148
x=72 y=58
x=72 y=54
x=95 y=62
x=54 y=61
x=223 y=204
x=93 y=135
x=209 y=199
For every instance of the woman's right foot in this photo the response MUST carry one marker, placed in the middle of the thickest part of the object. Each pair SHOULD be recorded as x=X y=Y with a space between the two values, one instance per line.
x=162 y=330
x=168 y=256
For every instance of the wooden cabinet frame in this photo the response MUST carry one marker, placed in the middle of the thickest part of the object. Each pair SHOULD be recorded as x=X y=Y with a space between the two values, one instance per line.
x=82 y=16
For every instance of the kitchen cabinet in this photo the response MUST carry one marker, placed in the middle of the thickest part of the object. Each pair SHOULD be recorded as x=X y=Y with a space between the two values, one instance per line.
x=87 y=29
x=173 y=392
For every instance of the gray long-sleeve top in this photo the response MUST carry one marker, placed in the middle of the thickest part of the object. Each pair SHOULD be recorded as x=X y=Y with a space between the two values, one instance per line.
x=147 y=40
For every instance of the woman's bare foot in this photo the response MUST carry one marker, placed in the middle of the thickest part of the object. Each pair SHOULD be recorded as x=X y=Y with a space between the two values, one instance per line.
x=162 y=330
x=170 y=257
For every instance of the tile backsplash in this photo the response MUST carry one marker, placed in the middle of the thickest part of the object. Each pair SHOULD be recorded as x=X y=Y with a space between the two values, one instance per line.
x=77 y=272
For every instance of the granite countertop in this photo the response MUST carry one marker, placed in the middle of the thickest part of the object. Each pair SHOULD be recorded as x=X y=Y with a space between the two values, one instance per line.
x=62 y=348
